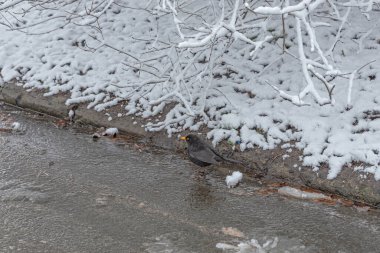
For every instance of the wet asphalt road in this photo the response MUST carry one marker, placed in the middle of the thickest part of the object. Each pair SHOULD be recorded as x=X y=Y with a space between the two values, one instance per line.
x=62 y=192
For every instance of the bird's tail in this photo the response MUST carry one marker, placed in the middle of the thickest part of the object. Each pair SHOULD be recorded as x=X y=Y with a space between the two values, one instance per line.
x=254 y=166
x=232 y=160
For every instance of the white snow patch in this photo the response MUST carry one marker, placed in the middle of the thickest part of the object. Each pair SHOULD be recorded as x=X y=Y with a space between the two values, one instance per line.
x=234 y=179
x=113 y=131
x=252 y=246
x=296 y=193
x=375 y=170
x=16 y=126
x=230 y=121
x=71 y=114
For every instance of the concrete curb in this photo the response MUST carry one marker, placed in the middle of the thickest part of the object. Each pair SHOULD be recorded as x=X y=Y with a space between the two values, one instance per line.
x=348 y=184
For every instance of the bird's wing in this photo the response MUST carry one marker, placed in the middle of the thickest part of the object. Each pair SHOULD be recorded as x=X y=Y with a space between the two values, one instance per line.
x=205 y=155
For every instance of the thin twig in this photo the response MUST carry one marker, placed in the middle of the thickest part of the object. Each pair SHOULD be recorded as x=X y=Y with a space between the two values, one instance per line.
x=283 y=33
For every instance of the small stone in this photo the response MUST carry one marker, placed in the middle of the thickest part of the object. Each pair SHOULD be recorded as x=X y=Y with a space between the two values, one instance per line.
x=96 y=136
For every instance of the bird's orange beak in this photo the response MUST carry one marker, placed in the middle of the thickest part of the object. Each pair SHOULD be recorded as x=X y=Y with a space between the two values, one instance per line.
x=182 y=138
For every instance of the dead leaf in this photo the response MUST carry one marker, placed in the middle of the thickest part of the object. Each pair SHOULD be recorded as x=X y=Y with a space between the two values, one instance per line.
x=233 y=232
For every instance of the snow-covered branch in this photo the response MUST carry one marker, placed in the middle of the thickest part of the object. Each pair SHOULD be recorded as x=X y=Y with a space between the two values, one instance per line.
x=351 y=83
x=9 y=4
x=368 y=4
x=220 y=30
x=83 y=13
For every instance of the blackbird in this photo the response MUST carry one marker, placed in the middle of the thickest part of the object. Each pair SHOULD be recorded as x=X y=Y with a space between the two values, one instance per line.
x=201 y=153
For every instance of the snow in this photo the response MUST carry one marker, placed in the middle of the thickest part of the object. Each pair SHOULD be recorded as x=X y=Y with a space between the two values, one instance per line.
x=297 y=193
x=375 y=170
x=113 y=131
x=252 y=246
x=323 y=97
x=233 y=179
x=96 y=136
x=16 y=126
x=71 y=114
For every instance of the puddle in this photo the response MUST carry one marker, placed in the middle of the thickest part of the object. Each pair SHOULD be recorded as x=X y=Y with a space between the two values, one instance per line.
x=113 y=195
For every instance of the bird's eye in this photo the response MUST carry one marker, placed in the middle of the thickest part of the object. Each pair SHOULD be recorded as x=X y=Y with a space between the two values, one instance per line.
x=187 y=138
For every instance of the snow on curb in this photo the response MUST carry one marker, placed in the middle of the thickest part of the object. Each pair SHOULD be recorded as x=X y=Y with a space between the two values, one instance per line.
x=375 y=170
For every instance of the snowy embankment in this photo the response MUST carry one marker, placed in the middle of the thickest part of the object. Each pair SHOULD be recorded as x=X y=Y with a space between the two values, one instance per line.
x=216 y=69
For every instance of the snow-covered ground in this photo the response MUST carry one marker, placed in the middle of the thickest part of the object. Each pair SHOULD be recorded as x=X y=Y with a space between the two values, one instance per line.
x=150 y=55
